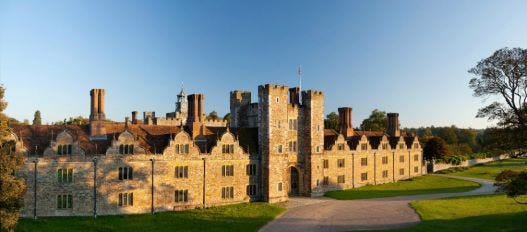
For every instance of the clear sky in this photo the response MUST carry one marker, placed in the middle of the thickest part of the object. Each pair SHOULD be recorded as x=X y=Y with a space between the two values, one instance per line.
x=409 y=57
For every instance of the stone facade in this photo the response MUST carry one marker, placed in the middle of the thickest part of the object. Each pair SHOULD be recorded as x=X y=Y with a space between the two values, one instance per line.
x=274 y=149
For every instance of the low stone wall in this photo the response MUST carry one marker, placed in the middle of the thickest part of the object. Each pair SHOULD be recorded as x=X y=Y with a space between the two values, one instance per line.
x=468 y=163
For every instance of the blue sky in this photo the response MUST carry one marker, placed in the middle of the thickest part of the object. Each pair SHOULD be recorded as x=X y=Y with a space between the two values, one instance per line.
x=409 y=57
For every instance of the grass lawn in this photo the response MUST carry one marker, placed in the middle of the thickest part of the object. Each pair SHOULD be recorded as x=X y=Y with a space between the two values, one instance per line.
x=476 y=213
x=240 y=217
x=492 y=169
x=418 y=185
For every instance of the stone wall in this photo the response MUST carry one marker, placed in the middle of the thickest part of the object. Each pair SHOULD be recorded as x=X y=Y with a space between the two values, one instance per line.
x=204 y=176
x=468 y=163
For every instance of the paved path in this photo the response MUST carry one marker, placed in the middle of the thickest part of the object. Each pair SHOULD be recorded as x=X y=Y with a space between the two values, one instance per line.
x=326 y=214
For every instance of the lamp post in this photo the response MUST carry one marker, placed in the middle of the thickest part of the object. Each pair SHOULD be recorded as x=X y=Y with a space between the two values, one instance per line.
x=94 y=187
x=152 y=160
x=35 y=161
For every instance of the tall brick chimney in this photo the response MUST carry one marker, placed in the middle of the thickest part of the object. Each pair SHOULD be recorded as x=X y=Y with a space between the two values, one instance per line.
x=345 y=124
x=195 y=113
x=294 y=96
x=393 y=125
x=97 y=115
x=134 y=117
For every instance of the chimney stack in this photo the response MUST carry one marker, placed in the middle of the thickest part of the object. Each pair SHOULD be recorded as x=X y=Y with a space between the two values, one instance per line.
x=393 y=125
x=294 y=96
x=134 y=117
x=345 y=124
x=195 y=107
x=195 y=113
x=97 y=115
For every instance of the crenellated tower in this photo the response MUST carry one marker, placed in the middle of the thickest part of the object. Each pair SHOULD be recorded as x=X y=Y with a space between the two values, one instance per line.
x=240 y=102
x=272 y=136
x=312 y=141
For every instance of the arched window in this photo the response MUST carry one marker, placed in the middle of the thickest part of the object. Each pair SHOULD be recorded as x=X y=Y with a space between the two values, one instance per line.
x=59 y=150
x=121 y=149
x=70 y=148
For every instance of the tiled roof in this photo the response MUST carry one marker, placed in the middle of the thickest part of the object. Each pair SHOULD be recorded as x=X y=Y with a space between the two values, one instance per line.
x=154 y=138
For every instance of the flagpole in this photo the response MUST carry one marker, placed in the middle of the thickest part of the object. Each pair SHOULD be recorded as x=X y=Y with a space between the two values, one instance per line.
x=300 y=73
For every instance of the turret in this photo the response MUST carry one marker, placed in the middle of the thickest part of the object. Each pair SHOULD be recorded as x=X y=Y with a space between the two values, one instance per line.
x=272 y=137
x=240 y=102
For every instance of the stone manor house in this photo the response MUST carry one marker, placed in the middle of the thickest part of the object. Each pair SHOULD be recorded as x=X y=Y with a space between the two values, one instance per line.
x=272 y=149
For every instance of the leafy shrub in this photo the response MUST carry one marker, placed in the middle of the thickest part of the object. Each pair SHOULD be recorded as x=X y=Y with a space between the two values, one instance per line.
x=506 y=175
x=515 y=187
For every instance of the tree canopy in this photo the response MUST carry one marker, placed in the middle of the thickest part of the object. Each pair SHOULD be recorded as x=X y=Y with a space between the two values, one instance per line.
x=227 y=118
x=377 y=121
x=213 y=116
x=331 y=121
x=37 y=120
x=435 y=148
x=12 y=188
x=503 y=76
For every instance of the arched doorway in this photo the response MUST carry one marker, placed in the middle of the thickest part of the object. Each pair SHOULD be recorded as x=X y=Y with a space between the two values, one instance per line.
x=294 y=188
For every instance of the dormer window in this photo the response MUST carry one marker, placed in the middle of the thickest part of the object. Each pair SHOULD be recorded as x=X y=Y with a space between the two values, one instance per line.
x=416 y=145
x=227 y=148
x=126 y=149
x=364 y=146
x=385 y=146
x=182 y=148
x=64 y=149
x=340 y=146
x=401 y=146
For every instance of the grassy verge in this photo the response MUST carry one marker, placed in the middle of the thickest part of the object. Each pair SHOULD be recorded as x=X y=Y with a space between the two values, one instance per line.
x=489 y=170
x=477 y=213
x=417 y=185
x=240 y=217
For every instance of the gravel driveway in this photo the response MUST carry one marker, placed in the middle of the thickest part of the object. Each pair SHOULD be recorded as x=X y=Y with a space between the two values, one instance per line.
x=326 y=214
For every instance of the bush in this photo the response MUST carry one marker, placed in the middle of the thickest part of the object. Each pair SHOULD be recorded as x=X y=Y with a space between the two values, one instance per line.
x=454 y=159
x=506 y=175
x=452 y=170
x=514 y=187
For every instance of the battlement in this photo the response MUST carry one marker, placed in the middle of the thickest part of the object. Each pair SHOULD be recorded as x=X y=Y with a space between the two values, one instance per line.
x=313 y=92
x=240 y=93
x=268 y=87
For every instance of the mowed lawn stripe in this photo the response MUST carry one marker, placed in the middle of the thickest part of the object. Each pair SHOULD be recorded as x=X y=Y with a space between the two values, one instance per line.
x=239 y=217
x=474 y=213
x=417 y=185
x=492 y=169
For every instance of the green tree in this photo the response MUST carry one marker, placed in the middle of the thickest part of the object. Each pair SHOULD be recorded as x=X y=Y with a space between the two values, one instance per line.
x=331 y=121
x=37 y=120
x=502 y=76
x=426 y=135
x=435 y=148
x=377 y=121
x=12 y=188
x=79 y=120
x=212 y=116
x=514 y=184
x=227 y=118
x=448 y=134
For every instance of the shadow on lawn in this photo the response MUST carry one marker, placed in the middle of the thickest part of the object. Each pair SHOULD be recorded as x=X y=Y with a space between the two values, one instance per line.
x=366 y=194
x=213 y=219
x=494 y=222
